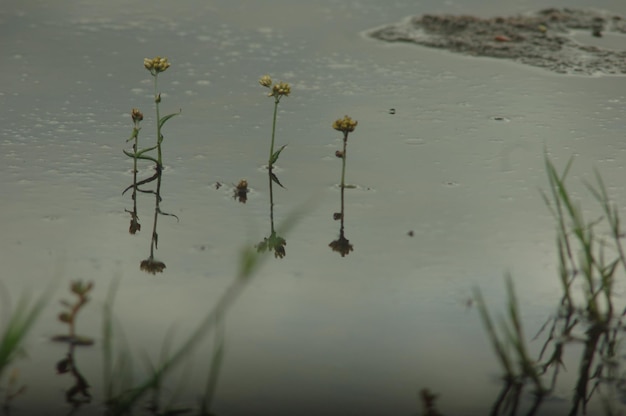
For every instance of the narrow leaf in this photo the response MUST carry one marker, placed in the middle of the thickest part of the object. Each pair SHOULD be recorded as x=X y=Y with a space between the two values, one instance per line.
x=276 y=154
x=275 y=179
x=167 y=117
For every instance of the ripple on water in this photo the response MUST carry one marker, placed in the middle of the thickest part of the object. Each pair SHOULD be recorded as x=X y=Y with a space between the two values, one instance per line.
x=415 y=142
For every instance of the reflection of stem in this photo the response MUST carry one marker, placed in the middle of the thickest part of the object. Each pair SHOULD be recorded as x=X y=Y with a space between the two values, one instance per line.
x=591 y=345
x=271 y=196
x=342 y=205
x=276 y=100
x=343 y=167
x=135 y=146
x=80 y=385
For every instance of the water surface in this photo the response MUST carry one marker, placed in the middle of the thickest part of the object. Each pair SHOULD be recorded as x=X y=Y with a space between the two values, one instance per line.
x=460 y=164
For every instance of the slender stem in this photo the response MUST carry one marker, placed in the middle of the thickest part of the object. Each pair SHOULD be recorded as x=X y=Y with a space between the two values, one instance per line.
x=271 y=197
x=269 y=162
x=157 y=210
x=342 y=211
x=135 y=147
x=157 y=99
x=343 y=167
x=158 y=168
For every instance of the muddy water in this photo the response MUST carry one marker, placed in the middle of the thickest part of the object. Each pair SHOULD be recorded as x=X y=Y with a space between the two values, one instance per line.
x=459 y=164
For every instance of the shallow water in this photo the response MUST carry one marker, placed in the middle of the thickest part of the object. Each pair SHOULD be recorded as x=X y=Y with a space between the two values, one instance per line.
x=460 y=164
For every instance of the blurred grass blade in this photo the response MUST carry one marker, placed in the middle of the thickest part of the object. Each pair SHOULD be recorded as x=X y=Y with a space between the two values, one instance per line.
x=19 y=323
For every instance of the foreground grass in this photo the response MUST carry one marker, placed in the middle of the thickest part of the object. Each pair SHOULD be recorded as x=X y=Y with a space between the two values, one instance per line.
x=589 y=263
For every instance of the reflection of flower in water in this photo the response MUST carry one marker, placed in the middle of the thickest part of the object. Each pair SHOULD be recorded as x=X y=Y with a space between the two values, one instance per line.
x=134 y=224
x=275 y=243
x=241 y=191
x=150 y=265
x=341 y=245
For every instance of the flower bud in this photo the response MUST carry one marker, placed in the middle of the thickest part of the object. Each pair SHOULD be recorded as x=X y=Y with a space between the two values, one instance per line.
x=265 y=81
x=136 y=115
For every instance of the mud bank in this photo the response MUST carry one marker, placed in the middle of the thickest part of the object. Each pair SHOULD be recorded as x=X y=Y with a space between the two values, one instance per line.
x=543 y=39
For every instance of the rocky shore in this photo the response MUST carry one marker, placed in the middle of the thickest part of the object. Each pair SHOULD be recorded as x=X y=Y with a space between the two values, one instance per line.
x=542 y=39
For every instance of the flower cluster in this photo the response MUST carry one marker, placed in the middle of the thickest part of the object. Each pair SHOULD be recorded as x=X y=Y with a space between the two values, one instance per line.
x=278 y=90
x=345 y=125
x=282 y=88
x=156 y=65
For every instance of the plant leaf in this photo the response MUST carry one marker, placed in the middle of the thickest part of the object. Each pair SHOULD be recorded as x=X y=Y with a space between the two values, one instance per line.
x=275 y=179
x=167 y=117
x=274 y=157
x=169 y=215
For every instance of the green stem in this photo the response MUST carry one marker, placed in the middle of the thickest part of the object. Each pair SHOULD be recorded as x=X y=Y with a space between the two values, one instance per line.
x=269 y=161
x=157 y=99
x=159 y=169
x=271 y=198
x=343 y=167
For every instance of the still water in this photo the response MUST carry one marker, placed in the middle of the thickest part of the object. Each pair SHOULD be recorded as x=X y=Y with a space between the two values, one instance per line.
x=459 y=165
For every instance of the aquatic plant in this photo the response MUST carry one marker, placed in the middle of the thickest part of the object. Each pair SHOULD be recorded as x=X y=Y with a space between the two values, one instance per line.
x=274 y=242
x=155 y=66
x=345 y=125
x=137 y=117
x=588 y=260
x=81 y=291
x=342 y=245
x=512 y=352
x=278 y=91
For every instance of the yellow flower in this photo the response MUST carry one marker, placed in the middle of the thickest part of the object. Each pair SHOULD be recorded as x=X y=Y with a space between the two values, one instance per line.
x=156 y=65
x=266 y=81
x=345 y=124
x=280 y=89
